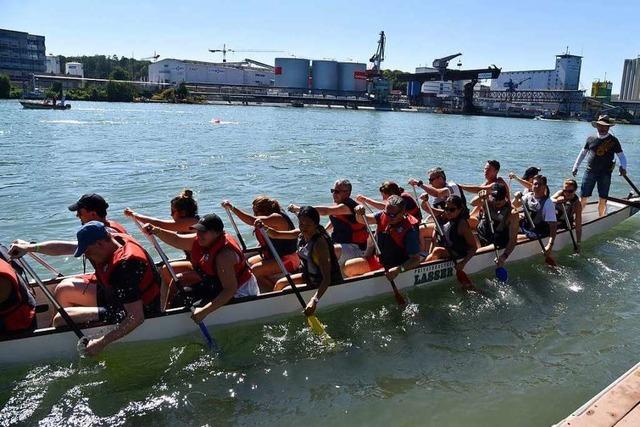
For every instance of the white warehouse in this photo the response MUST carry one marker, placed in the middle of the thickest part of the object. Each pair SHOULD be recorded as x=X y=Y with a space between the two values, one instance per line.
x=247 y=73
x=565 y=76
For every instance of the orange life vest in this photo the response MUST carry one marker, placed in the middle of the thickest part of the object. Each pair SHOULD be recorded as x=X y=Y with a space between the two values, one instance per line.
x=391 y=239
x=204 y=259
x=131 y=249
x=116 y=226
x=18 y=311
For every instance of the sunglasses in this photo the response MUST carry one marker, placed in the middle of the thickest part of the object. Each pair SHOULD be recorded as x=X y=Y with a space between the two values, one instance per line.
x=335 y=190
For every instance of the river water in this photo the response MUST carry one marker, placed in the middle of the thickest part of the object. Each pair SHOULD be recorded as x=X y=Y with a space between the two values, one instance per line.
x=528 y=354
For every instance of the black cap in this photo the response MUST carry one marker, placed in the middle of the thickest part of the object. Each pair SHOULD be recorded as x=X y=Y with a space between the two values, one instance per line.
x=92 y=202
x=498 y=192
x=209 y=222
x=530 y=173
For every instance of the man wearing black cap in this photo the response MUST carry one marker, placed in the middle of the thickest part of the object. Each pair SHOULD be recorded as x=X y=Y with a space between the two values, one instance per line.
x=527 y=179
x=93 y=207
x=599 y=150
x=220 y=269
x=127 y=289
x=504 y=233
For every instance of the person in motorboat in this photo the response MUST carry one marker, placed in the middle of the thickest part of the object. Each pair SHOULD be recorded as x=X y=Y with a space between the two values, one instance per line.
x=220 y=270
x=600 y=149
x=263 y=265
x=457 y=242
x=348 y=235
x=390 y=188
x=569 y=197
x=127 y=289
x=542 y=211
x=499 y=226
x=397 y=238
x=17 y=305
x=319 y=263
x=527 y=179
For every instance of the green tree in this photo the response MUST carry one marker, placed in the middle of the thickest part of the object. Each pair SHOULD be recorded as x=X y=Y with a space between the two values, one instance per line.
x=119 y=73
x=5 y=86
x=120 y=92
x=182 y=92
x=392 y=76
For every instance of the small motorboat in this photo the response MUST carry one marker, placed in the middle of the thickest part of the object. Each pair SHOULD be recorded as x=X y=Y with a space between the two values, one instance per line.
x=36 y=105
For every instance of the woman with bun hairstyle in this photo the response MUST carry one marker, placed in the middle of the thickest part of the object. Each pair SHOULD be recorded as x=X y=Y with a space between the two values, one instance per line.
x=264 y=266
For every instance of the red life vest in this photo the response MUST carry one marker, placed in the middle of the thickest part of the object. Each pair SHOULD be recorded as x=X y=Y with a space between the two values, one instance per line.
x=131 y=249
x=18 y=311
x=411 y=206
x=346 y=229
x=204 y=259
x=391 y=239
x=119 y=228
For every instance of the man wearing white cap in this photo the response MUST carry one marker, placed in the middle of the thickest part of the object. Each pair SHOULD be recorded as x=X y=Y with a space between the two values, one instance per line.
x=599 y=150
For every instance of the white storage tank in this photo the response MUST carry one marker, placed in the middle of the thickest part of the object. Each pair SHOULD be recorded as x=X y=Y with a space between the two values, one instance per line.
x=292 y=73
x=324 y=76
x=74 y=69
x=351 y=77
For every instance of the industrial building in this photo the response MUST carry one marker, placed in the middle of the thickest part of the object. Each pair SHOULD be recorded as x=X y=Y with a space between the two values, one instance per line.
x=601 y=90
x=565 y=76
x=21 y=55
x=74 y=69
x=52 y=63
x=320 y=76
x=246 y=73
x=630 y=84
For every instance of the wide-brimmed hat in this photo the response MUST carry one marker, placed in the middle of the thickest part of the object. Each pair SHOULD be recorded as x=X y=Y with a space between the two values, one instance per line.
x=603 y=120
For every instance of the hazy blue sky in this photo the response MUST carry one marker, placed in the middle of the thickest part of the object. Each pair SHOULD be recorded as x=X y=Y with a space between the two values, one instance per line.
x=513 y=35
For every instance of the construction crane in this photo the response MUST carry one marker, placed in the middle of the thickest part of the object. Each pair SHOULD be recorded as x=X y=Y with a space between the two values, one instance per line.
x=154 y=57
x=378 y=57
x=224 y=51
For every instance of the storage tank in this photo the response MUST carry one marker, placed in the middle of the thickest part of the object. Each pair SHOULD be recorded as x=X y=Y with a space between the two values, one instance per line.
x=292 y=73
x=74 y=69
x=324 y=76
x=351 y=78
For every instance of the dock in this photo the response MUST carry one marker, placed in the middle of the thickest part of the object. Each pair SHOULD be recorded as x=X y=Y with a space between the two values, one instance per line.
x=617 y=405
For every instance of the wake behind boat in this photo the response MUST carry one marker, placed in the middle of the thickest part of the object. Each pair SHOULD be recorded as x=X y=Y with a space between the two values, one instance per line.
x=48 y=342
x=36 y=105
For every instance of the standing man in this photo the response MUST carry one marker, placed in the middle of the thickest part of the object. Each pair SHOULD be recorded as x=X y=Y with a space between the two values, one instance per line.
x=348 y=235
x=600 y=149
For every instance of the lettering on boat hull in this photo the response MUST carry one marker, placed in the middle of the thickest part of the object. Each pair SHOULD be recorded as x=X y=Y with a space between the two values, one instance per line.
x=432 y=273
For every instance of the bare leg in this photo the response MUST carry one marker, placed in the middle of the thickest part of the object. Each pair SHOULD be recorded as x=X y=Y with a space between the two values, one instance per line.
x=78 y=314
x=602 y=206
x=178 y=267
x=356 y=267
x=438 y=253
x=264 y=270
x=583 y=201
x=76 y=291
x=283 y=283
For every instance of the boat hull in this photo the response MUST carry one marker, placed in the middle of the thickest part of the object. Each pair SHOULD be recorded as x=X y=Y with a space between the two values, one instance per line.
x=30 y=105
x=61 y=343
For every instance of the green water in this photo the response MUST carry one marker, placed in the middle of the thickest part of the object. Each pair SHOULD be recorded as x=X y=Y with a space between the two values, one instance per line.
x=528 y=354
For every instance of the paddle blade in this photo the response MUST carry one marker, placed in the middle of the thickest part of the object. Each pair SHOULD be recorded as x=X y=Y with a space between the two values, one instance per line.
x=550 y=261
x=211 y=344
x=464 y=280
x=501 y=274
x=399 y=298
x=315 y=325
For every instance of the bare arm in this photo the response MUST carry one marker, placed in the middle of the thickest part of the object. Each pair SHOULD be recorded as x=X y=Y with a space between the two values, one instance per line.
x=474 y=188
x=181 y=225
x=472 y=246
x=371 y=202
x=578 y=220
x=225 y=262
x=340 y=209
x=133 y=319
x=53 y=247
x=178 y=241
x=322 y=257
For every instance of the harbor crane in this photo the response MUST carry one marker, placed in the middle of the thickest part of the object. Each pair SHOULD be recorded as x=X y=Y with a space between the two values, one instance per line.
x=224 y=51
x=154 y=57
x=378 y=87
x=441 y=64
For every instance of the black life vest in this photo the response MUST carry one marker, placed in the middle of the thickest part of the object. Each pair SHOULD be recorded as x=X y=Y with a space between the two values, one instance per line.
x=455 y=243
x=346 y=229
x=310 y=270
x=391 y=239
x=570 y=206
x=500 y=225
x=282 y=246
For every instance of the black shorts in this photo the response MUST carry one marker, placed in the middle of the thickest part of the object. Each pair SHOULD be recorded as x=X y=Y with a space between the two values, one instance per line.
x=112 y=311
x=500 y=239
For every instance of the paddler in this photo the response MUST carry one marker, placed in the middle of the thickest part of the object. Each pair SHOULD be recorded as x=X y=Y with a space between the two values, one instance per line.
x=458 y=242
x=388 y=189
x=527 y=179
x=319 y=263
x=542 y=211
x=220 y=271
x=348 y=235
x=569 y=197
x=128 y=287
x=264 y=266
x=505 y=221
x=397 y=238
x=491 y=170
x=17 y=305
x=599 y=150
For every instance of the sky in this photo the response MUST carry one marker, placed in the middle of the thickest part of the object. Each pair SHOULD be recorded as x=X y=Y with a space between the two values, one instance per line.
x=512 y=35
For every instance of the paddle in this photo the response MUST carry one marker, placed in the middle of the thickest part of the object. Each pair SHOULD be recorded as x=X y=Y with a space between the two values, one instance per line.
x=501 y=272
x=312 y=320
x=235 y=227
x=569 y=227
x=399 y=298
x=211 y=344
x=624 y=202
x=631 y=184
x=82 y=340
x=547 y=258
x=45 y=264
x=462 y=277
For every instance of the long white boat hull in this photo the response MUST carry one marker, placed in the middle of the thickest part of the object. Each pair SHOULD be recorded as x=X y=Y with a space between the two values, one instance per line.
x=51 y=343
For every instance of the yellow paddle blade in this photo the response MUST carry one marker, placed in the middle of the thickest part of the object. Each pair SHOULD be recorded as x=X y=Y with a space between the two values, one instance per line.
x=315 y=325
